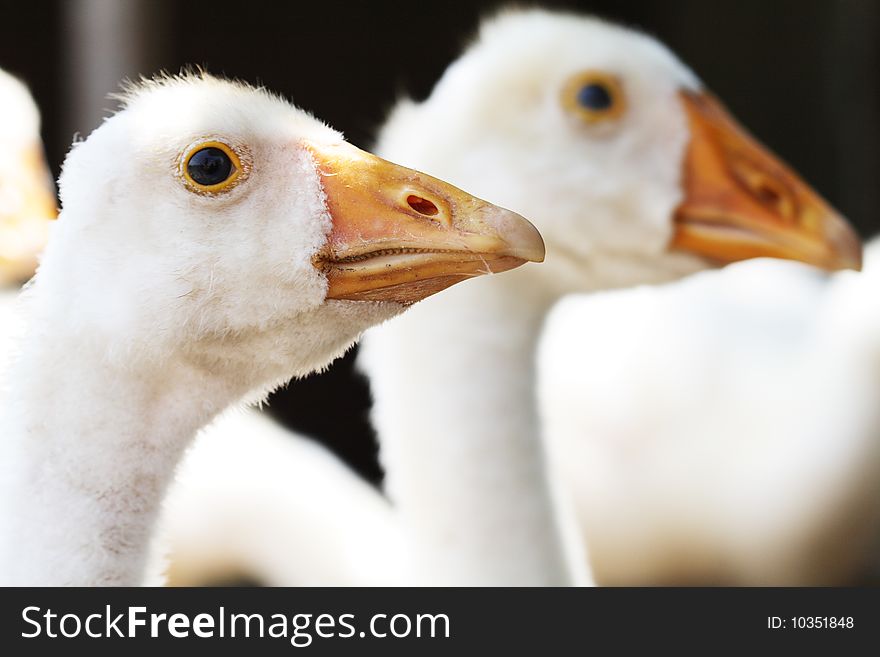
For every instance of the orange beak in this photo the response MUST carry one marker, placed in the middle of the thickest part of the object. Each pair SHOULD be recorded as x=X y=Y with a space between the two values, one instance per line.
x=27 y=204
x=742 y=202
x=400 y=235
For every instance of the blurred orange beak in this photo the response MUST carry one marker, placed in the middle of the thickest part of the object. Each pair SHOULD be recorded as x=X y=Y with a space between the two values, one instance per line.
x=400 y=235
x=26 y=207
x=742 y=202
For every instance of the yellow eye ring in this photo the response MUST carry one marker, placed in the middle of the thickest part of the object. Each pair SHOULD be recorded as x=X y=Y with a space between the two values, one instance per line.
x=211 y=167
x=594 y=96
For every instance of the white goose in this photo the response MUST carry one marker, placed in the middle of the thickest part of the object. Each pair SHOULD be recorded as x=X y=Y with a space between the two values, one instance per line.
x=754 y=453
x=606 y=139
x=610 y=144
x=27 y=200
x=214 y=241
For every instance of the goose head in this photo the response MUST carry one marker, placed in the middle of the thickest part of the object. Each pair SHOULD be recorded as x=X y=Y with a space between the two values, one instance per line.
x=215 y=219
x=616 y=151
x=27 y=195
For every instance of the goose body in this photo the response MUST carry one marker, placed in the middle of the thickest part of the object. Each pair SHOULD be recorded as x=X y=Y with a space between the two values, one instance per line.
x=732 y=434
x=214 y=241
x=253 y=500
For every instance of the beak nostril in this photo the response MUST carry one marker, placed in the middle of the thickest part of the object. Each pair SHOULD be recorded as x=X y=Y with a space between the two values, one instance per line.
x=422 y=205
x=767 y=195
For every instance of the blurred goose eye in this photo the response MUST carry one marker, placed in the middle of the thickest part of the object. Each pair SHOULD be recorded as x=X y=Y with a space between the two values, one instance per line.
x=210 y=167
x=594 y=96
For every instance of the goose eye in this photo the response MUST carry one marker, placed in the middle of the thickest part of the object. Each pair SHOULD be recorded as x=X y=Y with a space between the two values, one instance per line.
x=211 y=167
x=594 y=96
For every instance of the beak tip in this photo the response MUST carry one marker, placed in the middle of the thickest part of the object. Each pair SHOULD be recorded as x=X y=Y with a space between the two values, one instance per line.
x=520 y=236
x=843 y=242
x=855 y=264
x=538 y=254
x=851 y=260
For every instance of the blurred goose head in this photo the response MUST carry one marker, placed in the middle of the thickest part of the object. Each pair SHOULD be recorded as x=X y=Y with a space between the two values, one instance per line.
x=625 y=162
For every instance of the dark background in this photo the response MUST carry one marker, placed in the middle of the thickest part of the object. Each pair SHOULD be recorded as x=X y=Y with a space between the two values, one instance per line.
x=803 y=75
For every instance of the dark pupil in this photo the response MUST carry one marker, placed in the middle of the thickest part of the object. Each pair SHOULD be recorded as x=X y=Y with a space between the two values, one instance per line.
x=595 y=97
x=209 y=166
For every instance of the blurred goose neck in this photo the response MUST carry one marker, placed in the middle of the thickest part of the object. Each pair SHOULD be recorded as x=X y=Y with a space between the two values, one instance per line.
x=467 y=472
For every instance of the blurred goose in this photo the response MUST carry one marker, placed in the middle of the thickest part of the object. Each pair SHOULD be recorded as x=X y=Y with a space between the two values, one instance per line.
x=27 y=199
x=214 y=241
x=732 y=433
x=634 y=174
